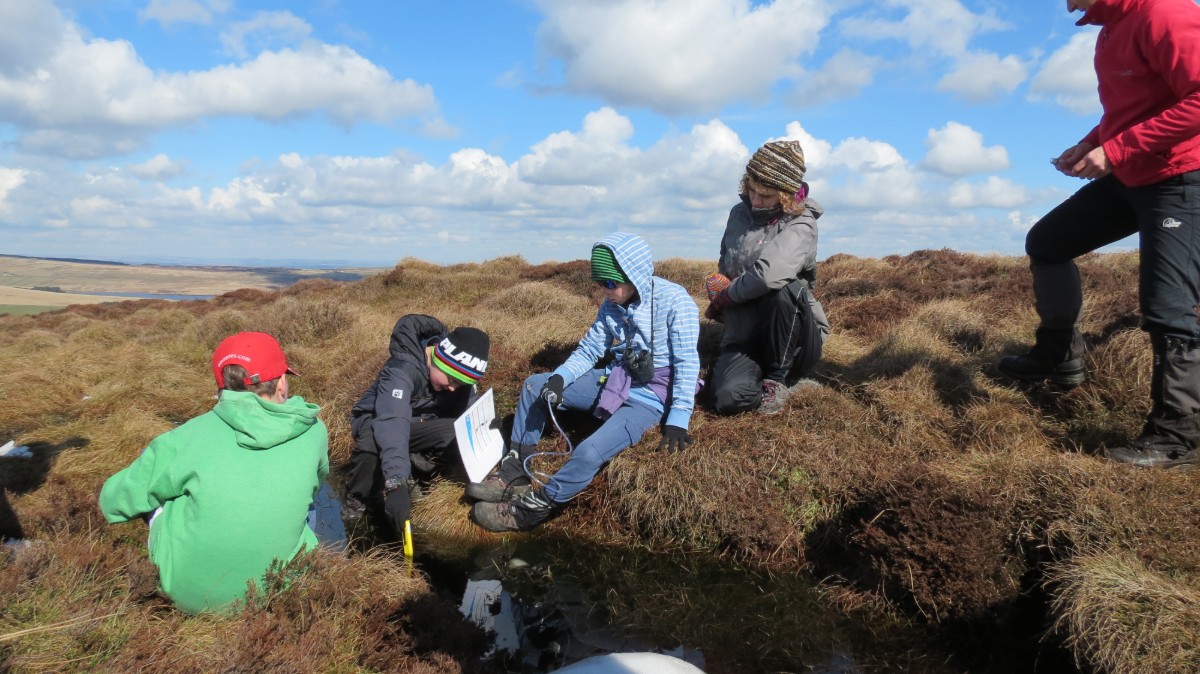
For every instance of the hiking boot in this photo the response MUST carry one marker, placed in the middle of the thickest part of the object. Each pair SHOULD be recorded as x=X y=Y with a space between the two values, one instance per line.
x=494 y=489
x=352 y=511
x=774 y=396
x=1156 y=451
x=519 y=514
x=415 y=491
x=423 y=463
x=1032 y=368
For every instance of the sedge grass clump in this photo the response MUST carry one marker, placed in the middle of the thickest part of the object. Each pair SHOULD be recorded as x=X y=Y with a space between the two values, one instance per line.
x=444 y=513
x=1116 y=615
x=296 y=321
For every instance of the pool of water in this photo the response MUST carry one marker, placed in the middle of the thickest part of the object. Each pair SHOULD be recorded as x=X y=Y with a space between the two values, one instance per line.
x=549 y=601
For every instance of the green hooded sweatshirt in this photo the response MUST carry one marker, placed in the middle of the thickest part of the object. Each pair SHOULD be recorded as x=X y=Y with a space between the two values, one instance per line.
x=234 y=485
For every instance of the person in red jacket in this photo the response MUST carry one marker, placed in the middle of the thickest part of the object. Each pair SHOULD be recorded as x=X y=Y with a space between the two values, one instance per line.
x=1143 y=161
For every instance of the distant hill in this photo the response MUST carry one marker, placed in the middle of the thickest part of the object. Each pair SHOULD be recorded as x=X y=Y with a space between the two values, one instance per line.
x=69 y=259
x=92 y=276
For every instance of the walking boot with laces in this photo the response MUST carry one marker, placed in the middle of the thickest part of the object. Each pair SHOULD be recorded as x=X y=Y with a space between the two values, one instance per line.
x=519 y=514
x=774 y=397
x=506 y=483
x=494 y=489
x=1156 y=451
x=353 y=511
x=1053 y=358
x=1031 y=368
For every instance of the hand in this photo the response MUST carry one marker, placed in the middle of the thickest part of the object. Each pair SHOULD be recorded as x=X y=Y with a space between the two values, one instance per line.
x=1083 y=161
x=1070 y=157
x=397 y=505
x=674 y=439
x=1094 y=165
x=497 y=423
x=552 y=391
x=717 y=305
x=715 y=283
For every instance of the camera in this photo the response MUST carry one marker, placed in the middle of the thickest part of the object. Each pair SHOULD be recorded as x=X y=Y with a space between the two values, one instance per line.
x=640 y=364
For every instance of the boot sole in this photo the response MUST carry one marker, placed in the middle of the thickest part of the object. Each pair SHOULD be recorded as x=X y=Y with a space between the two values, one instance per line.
x=1180 y=466
x=1062 y=379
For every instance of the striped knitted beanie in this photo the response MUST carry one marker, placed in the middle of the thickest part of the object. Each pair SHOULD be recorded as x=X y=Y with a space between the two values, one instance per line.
x=462 y=354
x=604 y=265
x=779 y=164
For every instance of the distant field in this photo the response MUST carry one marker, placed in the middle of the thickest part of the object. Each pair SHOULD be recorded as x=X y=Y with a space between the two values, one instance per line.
x=24 y=297
x=21 y=310
x=19 y=275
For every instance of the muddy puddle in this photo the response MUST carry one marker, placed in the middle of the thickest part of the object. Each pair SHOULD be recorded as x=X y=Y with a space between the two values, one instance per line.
x=550 y=602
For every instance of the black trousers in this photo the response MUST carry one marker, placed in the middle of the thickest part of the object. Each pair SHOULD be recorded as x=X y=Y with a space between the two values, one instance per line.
x=787 y=350
x=431 y=448
x=1166 y=218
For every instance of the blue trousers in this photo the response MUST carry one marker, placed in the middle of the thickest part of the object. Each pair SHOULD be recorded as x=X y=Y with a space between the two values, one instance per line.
x=619 y=431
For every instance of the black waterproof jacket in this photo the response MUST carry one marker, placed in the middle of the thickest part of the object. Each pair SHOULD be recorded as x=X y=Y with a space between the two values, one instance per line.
x=401 y=394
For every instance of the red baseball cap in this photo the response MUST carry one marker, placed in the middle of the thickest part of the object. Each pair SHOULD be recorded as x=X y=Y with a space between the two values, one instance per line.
x=258 y=352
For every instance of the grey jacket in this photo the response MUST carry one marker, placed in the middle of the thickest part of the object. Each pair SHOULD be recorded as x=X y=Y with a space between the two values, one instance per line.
x=762 y=257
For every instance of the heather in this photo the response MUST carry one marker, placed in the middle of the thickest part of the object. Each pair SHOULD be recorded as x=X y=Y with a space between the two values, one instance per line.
x=915 y=483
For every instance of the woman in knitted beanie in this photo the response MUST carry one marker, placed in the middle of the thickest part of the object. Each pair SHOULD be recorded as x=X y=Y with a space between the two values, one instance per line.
x=774 y=326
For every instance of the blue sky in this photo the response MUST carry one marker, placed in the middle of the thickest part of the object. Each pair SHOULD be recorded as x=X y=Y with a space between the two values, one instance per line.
x=229 y=131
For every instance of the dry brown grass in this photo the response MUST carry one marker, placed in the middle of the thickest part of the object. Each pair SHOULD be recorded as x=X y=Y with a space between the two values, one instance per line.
x=1120 y=616
x=915 y=480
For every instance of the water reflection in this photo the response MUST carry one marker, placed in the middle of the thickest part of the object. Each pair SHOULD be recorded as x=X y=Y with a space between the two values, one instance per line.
x=325 y=519
x=550 y=602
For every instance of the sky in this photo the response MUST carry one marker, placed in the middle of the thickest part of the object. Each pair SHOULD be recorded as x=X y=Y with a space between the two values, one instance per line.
x=340 y=132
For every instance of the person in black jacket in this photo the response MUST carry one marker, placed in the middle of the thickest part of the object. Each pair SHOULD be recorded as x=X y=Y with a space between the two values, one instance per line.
x=405 y=419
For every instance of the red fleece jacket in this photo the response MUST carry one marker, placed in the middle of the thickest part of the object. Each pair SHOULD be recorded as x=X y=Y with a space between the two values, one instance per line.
x=1148 y=66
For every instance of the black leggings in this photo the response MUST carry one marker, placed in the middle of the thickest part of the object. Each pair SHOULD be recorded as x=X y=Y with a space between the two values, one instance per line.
x=788 y=350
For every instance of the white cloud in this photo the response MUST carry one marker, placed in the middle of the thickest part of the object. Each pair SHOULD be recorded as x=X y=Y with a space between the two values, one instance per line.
x=944 y=26
x=24 y=29
x=843 y=76
x=995 y=192
x=679 y=56
x=170 y=12
x=94 y=97
x=1068 y=77
x=265 y=29
x=958 y=150
x=862 y=155
x=594 y=155
x=816 y=151
x=10 y=179
x=983 y=76
x=158 y=167
x=552 y=202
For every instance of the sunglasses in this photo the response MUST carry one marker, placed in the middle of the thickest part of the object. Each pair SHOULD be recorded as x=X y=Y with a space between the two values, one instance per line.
x=607 y=284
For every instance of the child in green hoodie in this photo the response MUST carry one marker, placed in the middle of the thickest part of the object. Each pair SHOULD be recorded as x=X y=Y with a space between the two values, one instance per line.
x=228 y=493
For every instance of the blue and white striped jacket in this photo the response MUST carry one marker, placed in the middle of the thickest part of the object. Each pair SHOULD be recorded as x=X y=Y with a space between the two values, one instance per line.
x=676 y=330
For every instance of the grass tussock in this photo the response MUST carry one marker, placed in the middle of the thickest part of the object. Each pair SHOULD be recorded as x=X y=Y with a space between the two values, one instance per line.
x=1118 y=615
x=914 y=480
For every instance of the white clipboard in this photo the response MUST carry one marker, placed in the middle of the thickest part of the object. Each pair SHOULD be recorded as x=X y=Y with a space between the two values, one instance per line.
x=480 y=445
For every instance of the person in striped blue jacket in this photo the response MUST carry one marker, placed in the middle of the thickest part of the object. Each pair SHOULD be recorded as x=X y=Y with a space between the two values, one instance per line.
x=651 y=327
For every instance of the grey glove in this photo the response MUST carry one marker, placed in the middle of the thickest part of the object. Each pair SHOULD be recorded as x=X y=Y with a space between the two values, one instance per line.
x=674 y=439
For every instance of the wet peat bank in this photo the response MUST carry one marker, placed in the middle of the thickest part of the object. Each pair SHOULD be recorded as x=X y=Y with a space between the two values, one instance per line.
x=548 y=601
